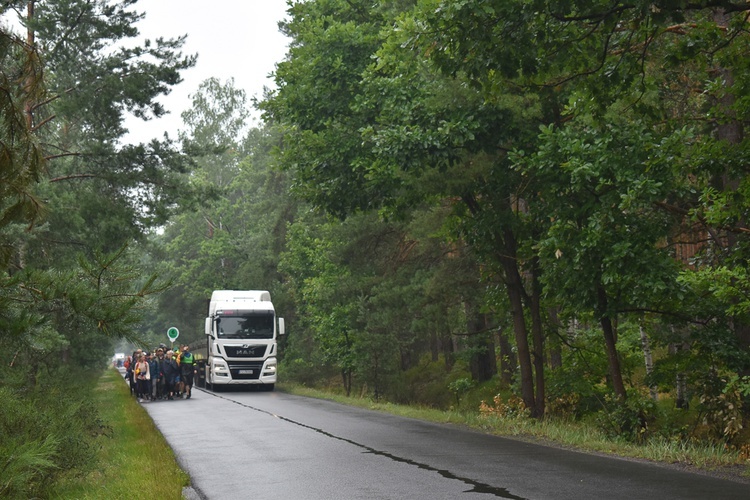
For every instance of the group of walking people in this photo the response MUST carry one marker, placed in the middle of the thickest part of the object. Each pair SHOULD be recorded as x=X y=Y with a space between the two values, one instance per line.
x=161 y=374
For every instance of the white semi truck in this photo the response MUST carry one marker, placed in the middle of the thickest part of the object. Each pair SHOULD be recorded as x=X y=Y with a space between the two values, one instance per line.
x=241 y=330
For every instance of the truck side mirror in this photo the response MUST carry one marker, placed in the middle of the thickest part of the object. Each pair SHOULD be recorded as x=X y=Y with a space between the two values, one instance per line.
x=281 y=326
x=208 y=326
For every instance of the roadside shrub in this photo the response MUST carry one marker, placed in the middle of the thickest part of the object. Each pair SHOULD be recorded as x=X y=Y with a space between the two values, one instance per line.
x=46 y=432
x=630 y=420
x=300 y=371
x=571 y=394
x=485 y=391
x=673 y=423
x=425 y=384
x=509 y=407
x=25 y=459
x=459 y=387
x=564 y=405
x=721 y=405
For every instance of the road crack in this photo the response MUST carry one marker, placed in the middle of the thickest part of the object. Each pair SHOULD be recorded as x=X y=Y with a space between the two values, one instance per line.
x=476 y=486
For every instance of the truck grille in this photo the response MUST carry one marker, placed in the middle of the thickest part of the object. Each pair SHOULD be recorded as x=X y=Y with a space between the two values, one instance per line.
x=253 y=351
x=245 y=370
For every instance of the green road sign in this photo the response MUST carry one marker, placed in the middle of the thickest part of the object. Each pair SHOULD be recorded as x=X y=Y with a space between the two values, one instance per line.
x=173 y=333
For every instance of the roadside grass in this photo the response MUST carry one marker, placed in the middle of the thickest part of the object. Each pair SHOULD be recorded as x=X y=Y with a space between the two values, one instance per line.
x=133 y=457
x=712 y=457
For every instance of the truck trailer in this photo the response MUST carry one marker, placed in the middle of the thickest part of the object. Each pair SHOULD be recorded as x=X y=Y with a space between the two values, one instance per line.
x=241 y=330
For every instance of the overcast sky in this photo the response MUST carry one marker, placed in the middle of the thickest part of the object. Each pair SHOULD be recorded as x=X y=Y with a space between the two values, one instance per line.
x=236 y=39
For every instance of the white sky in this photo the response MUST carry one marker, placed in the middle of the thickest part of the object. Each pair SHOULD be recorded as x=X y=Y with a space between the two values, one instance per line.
x=236 y=39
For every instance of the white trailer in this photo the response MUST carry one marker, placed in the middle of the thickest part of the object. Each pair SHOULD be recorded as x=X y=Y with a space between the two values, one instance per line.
x=241 y=330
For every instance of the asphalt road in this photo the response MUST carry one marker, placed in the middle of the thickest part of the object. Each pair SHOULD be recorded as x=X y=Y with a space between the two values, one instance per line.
x=239 y=445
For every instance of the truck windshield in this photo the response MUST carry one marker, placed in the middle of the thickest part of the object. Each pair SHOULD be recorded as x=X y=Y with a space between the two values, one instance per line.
x=246 y=326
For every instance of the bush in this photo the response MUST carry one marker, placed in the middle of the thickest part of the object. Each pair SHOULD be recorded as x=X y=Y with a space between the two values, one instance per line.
x=505 y=407
x=481 y=392
x=630 y=420
x=460 y=386
x=46 y=432
x=425 y=384
x=570 y=394
x=721 y=405
x=300 y=371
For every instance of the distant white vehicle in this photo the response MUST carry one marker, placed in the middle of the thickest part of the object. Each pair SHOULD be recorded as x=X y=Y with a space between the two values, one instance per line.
x=241 y=330
x=118 y=359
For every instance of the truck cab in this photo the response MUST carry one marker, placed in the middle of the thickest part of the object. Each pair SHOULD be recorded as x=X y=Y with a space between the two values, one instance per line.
x=241 y=330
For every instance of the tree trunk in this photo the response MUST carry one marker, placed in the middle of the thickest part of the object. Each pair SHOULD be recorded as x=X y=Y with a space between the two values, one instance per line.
x=731 y=130
x=482 y=363
x=646 y=347
x=681 y=397
x=610 y=342
x=346 y=376
x=506 y=256
x=30 y=40
x=538 y=340
x=507 y=358
x=681 y=388
x=434 y=346
x=742 y=332
x=514 y=288
x=377 y=377
x=555 y=347
x=448 y=348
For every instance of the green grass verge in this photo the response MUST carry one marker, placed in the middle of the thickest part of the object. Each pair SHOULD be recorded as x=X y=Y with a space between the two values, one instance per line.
x=134 y=459
x=569 y=434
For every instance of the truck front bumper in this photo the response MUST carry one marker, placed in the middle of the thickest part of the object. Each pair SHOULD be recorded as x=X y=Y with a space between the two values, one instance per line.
x=243 y=372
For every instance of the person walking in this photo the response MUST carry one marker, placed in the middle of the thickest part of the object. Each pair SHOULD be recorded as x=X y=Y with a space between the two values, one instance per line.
x=171 y=374
x=142 y=377
x=157 y=375
x=130 y=374
x=187 y=370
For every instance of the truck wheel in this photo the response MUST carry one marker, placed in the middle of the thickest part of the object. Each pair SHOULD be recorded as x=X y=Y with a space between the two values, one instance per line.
x=215 y=387
x=269 y=387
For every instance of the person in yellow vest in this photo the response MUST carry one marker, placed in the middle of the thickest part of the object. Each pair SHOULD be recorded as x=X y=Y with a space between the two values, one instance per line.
x=187 y=370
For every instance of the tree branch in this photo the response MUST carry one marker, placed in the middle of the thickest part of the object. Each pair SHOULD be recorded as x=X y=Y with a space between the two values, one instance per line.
x=42 y=123
x=75 y=176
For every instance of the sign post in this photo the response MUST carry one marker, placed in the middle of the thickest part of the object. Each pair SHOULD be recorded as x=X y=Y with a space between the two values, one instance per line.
x=173 y=333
